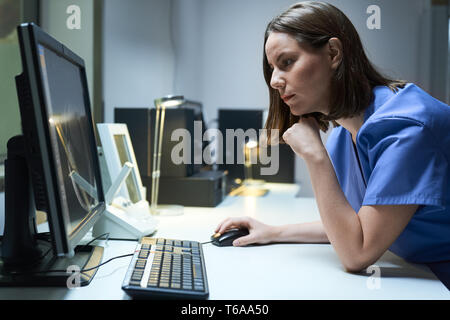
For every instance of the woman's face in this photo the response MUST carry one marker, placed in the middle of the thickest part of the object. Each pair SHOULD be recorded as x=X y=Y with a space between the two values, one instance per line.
x=301 y=75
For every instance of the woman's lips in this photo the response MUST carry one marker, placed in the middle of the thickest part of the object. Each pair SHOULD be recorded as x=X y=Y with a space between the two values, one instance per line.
x=287 y=97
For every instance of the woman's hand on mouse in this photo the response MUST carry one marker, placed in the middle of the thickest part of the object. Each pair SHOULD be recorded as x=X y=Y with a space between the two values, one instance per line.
x=304 y=138
x=258 y=232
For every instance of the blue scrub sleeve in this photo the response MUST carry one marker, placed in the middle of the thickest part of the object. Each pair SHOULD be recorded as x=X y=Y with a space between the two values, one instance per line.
x=403 y=164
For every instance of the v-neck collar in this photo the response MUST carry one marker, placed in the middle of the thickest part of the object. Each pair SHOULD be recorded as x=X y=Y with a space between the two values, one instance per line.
x=356 y=159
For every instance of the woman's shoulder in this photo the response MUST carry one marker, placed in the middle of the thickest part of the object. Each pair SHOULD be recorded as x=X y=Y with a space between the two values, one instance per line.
x=410 y=107
x=410 y=101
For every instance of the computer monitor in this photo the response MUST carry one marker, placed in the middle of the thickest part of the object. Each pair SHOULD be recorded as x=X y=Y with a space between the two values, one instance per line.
x=235 y=119
x=246 y=119
x=118 y=150
x=199 y=143
x=127 y=214
x=57 y=146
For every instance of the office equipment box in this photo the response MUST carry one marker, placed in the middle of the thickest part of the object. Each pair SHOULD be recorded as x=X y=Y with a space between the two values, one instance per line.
x=141 y=124
x=203 y=189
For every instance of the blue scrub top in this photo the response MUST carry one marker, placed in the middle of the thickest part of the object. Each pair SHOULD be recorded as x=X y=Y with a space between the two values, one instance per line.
x=401 y=156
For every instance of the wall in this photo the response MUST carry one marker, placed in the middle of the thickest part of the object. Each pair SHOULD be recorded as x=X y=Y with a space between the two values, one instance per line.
x=220 y=45
x=440 y=56
x=138 y=61
x=80 y=41
x=10 y=66
x=2 y=212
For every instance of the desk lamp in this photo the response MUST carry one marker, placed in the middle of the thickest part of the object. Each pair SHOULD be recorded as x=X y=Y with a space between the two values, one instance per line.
x=250 y=155
x=250 y=186
x=161 y=104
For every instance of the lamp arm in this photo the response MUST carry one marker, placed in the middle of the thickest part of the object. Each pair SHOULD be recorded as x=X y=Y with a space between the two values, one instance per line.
x=158 y=172
x=155 y=157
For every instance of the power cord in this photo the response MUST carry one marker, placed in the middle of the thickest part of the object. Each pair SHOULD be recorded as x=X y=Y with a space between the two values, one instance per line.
x=88 y=269
x=83 y=270
x=96 y=238
x=103 y=263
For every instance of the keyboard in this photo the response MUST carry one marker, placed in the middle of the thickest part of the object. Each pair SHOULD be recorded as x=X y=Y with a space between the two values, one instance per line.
x=167 y=268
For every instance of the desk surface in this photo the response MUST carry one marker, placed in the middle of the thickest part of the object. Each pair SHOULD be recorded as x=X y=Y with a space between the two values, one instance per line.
x=276 y=271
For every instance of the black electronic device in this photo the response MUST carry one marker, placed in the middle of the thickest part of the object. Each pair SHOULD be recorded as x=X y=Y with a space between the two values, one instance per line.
x=140 y=123
x=203 y=189
x=286 y=165
x=237 y=119
x=52 y=167
x=252 y=119
x=227 y=238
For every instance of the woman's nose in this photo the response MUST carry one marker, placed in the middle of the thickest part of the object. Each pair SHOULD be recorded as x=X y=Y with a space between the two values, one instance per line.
x=277 y=82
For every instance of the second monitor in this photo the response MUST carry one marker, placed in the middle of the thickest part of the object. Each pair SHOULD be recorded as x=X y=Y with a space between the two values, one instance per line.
x=127 y=214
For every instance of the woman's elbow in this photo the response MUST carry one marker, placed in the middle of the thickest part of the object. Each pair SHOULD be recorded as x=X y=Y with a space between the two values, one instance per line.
x=356 y=264
x=354 y=268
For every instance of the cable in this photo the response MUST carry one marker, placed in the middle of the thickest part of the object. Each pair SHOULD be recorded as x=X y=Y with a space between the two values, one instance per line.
x=96 y=238
x=81 y=271
x=103 y=263
x=88 y=269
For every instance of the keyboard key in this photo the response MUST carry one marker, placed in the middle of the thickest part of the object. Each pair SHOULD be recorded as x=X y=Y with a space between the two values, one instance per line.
x=135 y=283
x=197 y=271
x=140 y=264
x=186 y=244
x=144 y=254
x=187 y=286
x=199 y=287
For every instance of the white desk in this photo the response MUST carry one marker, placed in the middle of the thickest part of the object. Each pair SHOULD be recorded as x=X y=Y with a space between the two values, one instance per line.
x=278 y=271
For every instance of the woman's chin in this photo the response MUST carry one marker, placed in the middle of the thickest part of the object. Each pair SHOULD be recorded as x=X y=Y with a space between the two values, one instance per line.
x=295 y=110
x=296 y=113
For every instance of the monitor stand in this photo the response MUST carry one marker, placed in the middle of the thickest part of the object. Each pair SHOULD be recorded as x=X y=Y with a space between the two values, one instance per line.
x=27 y=258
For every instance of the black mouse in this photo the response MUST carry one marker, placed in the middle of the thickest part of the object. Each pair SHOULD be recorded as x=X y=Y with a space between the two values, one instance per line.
x=227 y=238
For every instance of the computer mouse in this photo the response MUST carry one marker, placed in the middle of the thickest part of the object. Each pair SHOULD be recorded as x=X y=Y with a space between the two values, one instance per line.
x=227 y=238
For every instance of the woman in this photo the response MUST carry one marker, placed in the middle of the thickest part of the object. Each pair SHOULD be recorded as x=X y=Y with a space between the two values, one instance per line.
x=383 y=181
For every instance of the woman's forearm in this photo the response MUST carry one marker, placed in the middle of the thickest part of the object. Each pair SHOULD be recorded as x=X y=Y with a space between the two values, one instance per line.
x=311 y=232
x=340 y=221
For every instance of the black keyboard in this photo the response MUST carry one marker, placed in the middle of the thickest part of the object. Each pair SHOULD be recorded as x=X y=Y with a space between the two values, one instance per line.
x=167 y=268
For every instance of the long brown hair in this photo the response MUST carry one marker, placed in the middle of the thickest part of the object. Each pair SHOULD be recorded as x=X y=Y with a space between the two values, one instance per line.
x=314 y=23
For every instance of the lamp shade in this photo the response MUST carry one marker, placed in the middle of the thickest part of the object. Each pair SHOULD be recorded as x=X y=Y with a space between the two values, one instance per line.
x=169 y=101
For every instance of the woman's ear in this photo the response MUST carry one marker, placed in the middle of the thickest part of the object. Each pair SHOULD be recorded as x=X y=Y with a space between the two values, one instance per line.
x=335 y=52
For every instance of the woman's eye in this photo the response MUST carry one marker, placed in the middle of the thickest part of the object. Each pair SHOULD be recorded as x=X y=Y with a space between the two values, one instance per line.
x=287 y=62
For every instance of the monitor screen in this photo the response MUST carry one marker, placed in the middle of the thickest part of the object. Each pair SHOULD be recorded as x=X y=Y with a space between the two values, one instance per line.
x=124 y=156
x=69 y=134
